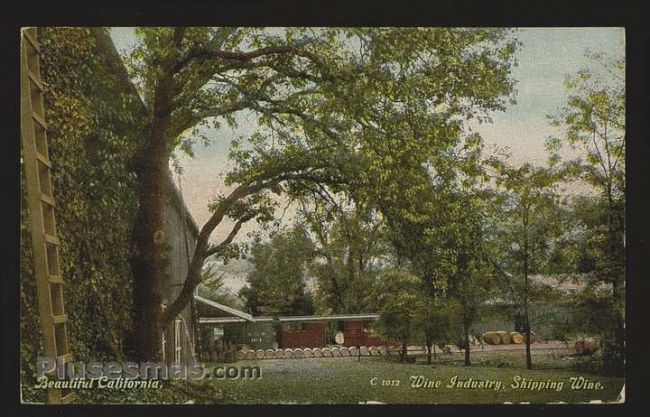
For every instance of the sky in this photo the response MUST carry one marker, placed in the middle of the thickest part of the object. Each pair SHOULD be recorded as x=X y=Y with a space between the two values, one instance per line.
x=545 y=57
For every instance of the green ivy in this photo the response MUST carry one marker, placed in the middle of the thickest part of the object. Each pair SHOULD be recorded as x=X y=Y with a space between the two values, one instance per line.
x=95 y=127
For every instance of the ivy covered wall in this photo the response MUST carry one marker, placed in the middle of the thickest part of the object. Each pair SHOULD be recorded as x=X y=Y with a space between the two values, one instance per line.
x=95 y=123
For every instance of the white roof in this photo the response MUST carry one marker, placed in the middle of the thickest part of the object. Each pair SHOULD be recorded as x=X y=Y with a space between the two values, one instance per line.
x=240 y=316
x=224 y=308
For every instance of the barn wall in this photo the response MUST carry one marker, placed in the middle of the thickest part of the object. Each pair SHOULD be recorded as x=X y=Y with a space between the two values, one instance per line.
x=181 y=234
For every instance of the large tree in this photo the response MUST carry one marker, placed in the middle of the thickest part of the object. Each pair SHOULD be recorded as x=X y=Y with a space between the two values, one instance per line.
x=593 y=124
x=332 y=105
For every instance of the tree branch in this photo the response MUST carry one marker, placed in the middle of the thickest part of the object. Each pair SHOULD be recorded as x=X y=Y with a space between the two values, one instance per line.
x=206 y=54
x=231 y=236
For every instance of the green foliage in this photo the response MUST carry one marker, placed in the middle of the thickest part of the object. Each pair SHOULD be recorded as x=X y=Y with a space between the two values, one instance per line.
x=348 y=109
x=350 y=245
x=94 y=129
x=400 y=299
x=277 y=284
x=593 y=122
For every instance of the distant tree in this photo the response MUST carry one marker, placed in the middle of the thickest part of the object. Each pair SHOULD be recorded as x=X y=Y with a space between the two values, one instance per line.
x=593 y=123
x=472 y=282
x=349 y=243
x=532 y=222
x=276 y=286
x=400 y=299
x=436 y=319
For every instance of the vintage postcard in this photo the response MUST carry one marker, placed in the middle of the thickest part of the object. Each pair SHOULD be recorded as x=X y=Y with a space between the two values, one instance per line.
x=322 y=215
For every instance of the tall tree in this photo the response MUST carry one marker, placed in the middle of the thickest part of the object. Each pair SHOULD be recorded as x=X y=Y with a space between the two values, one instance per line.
x=349 y=243
x=593 y=123
x=472 y=282
x=327 y=100
x=531 y=223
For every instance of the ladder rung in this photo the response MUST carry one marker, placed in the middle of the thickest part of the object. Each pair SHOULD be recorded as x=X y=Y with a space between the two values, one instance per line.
x=36 y=81
x=65 y=358
x=48 y=200
x=68 y=398
x=60 y=318
x=39 y=120
x=51 y=239
x=43 y=160
x=32 y=41
x=56 y=279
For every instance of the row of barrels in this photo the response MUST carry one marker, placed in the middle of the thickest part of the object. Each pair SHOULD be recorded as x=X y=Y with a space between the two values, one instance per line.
x=336 y=351
x=505 y=338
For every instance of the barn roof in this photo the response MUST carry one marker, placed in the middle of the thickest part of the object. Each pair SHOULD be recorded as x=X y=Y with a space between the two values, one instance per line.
x=212 y=308
x=213 y=312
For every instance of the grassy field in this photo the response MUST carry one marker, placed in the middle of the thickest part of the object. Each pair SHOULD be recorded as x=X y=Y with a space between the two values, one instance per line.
x=348 y=381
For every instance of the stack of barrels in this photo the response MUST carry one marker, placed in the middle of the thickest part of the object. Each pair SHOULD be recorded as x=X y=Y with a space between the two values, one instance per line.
x=505 y=338
x=219 y=350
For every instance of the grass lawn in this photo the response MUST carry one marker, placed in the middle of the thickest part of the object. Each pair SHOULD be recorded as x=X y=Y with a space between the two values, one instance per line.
x=348 y=381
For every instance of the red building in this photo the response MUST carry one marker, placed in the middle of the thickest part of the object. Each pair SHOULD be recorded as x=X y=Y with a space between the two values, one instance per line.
x=310 y=335
x=290 y=331
x=357 y=333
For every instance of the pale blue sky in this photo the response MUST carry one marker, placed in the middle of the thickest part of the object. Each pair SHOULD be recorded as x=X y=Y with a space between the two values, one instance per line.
x=545 y=57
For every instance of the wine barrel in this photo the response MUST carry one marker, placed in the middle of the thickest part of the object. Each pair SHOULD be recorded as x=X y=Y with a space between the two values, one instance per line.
x=374 y=350
x=288 y=353
x=364 y=351
x=307 y=353
x=317 y=352
x=505 y=337
x=335 y=351
x=492 y=338
x=516 y=338
x=327 y=352
x=344 y=351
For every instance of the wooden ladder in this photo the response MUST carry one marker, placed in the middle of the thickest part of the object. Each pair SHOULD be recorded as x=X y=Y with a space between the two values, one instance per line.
x=41 y=205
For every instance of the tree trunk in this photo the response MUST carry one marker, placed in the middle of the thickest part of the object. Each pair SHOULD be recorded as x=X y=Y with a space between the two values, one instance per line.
x=468 y=361
x=526 y=266
x=429 y=343
x=617 y=294
x=403 y=353
x=148 y=261
x=529 y=359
